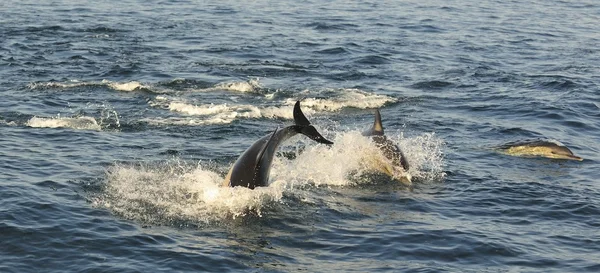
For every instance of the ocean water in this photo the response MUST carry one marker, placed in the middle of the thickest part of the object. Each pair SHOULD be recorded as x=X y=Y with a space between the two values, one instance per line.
x=120 y=119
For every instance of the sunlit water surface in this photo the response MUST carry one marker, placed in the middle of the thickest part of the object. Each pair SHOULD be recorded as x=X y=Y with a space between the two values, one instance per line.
x=119 y=121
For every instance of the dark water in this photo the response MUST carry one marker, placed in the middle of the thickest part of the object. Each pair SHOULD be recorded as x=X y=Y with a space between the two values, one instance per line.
x=119 y=119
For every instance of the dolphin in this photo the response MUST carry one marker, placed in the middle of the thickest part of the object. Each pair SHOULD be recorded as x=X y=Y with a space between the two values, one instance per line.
x=538 y=148
x=252 y=168
x=399 y=164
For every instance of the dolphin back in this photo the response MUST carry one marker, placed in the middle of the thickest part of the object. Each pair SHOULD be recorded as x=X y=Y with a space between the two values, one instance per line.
x=252 y=168
x=390 y=150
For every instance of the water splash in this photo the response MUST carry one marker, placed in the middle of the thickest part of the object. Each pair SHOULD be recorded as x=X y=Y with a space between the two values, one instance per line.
x=175 y=193
x=352 y=156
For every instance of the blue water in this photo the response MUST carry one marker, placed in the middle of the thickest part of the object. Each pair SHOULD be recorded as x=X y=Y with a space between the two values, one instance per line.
x=119 y=119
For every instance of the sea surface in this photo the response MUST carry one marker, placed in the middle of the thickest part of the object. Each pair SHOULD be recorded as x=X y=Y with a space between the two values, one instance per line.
x=120 y=119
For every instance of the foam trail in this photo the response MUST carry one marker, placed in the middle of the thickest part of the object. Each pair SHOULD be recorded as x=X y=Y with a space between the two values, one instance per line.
x=82 y=123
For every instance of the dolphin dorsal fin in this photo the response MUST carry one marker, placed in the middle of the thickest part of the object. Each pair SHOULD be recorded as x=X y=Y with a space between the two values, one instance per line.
x=377 y=126
x=299 y=117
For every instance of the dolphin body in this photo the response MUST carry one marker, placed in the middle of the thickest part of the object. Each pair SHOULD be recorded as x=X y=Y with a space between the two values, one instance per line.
x=399 y=164
x=252 y=168
x=538 y=148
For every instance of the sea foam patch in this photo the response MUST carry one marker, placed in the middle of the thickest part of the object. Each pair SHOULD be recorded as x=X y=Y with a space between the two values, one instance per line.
x=117 y=86
x=206 y=114
x=250 y=86
x=233 y=111
x=335 y=100
x=81 y=123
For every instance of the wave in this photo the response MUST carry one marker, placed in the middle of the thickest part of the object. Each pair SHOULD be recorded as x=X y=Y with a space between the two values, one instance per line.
x=206 y=114
x=342 y=98
x=232 y=112
x=117 y=86
x=250 y=86
x=7 y=123
x=81 y=123
x=203 y=114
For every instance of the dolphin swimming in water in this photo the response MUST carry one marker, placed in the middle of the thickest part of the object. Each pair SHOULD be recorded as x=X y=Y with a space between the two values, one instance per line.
x=399 y=164
x=540 y=148
x=252 y=168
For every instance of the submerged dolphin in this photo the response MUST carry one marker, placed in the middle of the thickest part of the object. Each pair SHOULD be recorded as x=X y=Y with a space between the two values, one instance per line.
x=541 y=148
x=399 y=164
x=252 y=168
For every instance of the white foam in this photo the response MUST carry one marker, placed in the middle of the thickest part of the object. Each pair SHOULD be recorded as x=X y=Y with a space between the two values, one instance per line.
x=186 y=121
x=9 y=123
x=59 y=85
x=353 y=155
x=323 y=165
x=125 y=86
x=81 y=123
x=118 y=86
x=227 y=113
x=343 y=98
x=425 y=155
x=250 y=86
x=175 y=193
x=204 y=114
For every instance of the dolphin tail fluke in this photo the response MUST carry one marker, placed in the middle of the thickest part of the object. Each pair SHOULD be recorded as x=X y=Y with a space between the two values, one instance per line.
x=304 y=127
x=299 y=117
x=312 y=133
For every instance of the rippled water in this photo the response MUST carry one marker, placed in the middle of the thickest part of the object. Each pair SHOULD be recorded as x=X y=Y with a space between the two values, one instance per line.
x=119 y=120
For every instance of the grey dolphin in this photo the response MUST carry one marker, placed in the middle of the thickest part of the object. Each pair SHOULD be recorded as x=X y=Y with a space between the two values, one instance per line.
x=537 y=147
x=390 y=150
x=252 y=168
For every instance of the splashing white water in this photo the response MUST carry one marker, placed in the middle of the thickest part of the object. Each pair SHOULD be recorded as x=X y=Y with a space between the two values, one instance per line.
x=353 y=155
x=174 y=193
x=81 y=123
x=171 y=193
